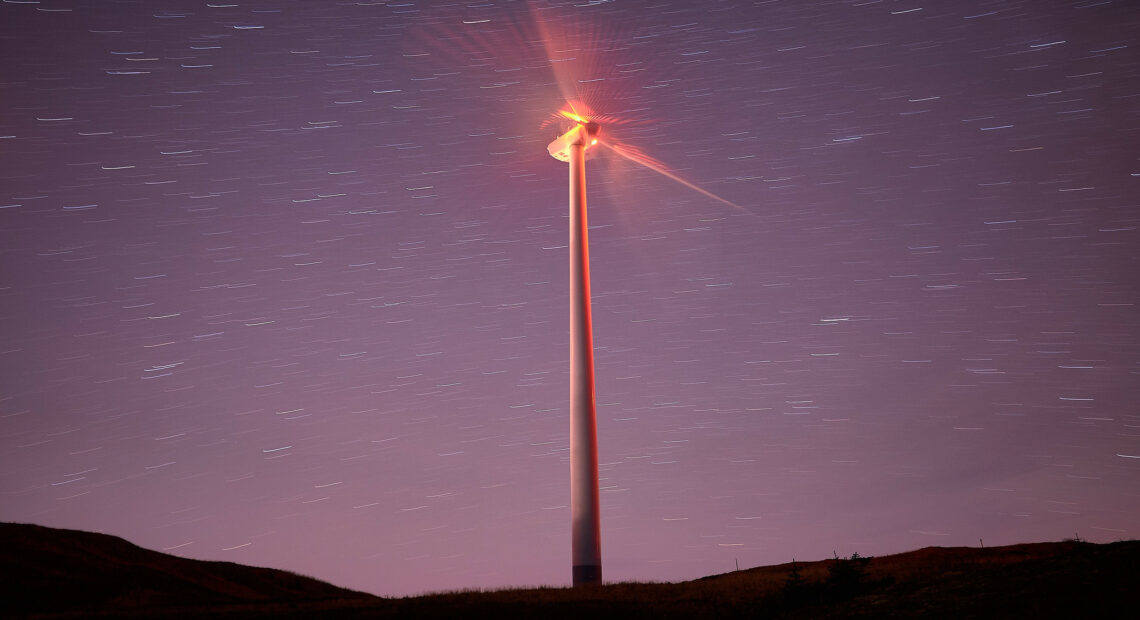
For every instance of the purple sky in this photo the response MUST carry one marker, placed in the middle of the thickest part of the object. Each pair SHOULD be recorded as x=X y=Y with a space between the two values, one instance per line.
x=285 y=283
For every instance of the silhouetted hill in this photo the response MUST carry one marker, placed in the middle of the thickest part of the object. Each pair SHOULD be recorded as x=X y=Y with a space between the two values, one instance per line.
x=48 y=572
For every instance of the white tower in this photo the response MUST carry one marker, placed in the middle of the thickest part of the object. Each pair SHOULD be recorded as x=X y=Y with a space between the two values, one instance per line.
x=586 y=534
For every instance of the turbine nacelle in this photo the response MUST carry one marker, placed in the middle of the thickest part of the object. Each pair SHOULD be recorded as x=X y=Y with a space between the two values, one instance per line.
x=584 y=134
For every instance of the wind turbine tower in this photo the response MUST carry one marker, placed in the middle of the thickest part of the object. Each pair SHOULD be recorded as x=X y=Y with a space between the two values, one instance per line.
x=586 y=534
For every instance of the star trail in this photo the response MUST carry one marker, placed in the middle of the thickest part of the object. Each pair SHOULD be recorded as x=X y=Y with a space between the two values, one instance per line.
x=284 y=283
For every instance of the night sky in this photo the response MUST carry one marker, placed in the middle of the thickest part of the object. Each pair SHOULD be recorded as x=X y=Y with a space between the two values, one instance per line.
x=285 y=283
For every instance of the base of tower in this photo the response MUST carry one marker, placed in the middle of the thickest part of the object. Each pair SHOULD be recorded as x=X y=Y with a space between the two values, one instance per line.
x=588 y=575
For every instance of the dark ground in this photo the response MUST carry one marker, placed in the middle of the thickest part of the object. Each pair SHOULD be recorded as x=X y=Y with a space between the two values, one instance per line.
x=48 y=572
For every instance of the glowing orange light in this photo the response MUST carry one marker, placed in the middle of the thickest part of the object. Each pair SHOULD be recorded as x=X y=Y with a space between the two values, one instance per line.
x=572 y=116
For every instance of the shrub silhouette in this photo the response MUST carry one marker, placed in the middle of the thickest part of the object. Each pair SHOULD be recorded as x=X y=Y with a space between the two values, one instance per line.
x=847 y=577
x=796 y=589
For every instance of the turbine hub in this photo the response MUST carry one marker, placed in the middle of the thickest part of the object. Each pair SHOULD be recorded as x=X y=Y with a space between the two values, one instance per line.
x=584 y=134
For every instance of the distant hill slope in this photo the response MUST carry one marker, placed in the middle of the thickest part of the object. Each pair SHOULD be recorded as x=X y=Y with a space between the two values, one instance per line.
x=1039 y=581
x=47 y=570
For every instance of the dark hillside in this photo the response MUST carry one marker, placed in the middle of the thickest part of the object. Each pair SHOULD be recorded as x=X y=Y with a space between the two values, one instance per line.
x=1041 y=580
x=64 y=573
x=55 y=570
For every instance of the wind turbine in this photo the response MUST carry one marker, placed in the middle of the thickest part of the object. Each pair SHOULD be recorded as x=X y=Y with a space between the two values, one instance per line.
x=585 y=507
x=585 y=511
x=569 y=43
x=569 y=46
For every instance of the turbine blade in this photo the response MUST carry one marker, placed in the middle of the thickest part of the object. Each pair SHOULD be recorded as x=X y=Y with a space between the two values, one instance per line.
x=637 y=157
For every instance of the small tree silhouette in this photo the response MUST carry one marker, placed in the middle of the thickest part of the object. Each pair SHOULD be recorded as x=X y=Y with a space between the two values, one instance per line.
x=847 y=576
x=796 y=586
x=797 y=591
